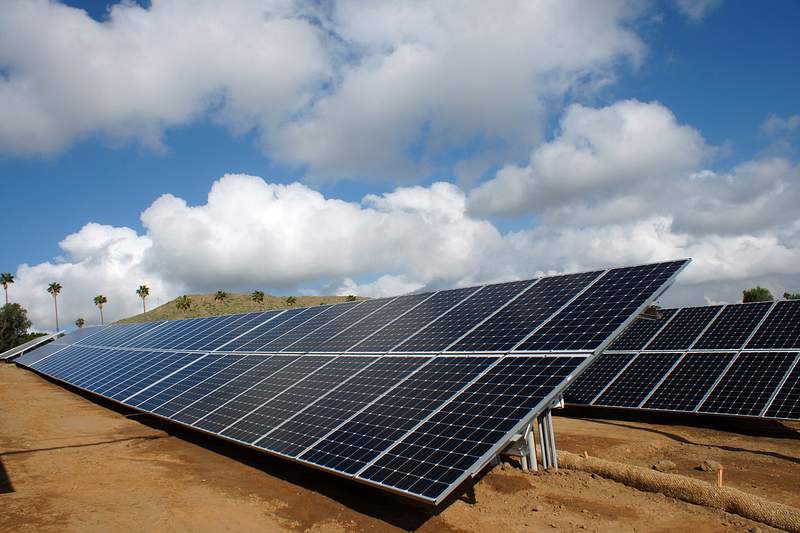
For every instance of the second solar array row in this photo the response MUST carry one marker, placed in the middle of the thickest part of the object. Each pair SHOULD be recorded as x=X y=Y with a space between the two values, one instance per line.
x=757 y=326
x=746 y=383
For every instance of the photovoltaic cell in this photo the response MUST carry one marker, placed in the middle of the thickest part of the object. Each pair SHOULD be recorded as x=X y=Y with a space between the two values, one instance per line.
x=378 y=427
x=271 y=319
x=313 y=423
x=317 y=340
x=287 y=370
x=231 y=389
x=185 y=381
x=749 y=383
x=443 y=448
x=519 y=318
x=301 y=393
x=602 y=370
x=230 y=332
x=237 y=367
x=405 y=326
x=633 y=385
x=598 y=312
x=787 y=402
x=781 y=329
x=199 y=362
x=689 y=381
x=733 y=326
x=285 y=341
x=295 y=318
x=444 y=331
x=682 y=330
x=352 y=336
x=636 y=335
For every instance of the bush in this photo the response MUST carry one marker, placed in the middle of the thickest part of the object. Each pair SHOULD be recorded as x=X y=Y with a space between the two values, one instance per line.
x=14 y=326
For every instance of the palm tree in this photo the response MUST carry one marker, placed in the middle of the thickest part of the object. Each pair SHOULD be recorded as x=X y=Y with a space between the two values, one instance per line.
x=6 y=279
x=80 y=323
x=100 y=301
x=220 y=296
x=143 y=291
x=183 y=303
x=291 y=300
x=55 y=289
x=258 y=297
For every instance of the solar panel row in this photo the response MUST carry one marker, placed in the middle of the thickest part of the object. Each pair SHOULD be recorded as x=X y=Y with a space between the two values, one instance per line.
x=415 y=423
x=744 y=383
x=755 y=326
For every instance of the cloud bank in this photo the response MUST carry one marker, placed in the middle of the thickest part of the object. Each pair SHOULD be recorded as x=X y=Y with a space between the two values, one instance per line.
x=379 y=90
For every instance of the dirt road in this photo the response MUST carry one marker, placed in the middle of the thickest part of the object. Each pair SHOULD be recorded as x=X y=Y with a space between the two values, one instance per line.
x=70 y=463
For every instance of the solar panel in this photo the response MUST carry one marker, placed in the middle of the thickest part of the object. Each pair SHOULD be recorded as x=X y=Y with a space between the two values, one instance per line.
x=233 y=387
x=599 y=312
x=733 y=326
x=438 y=454
x=312 y=423
x=448 y=328
x=237 y=398
x=274 y=409
x=786 y=403
x=59 y=343
x=749 y=383
x=781 y=329
x=352 y=336
x=637 y=335
x=317 y=340
x=684 y=328
x=406 y=325
x=599 y=374
x=689 y=381
x=503 y=330
x=634 y=384
x=362 y=438
x=285 y=341
x=237 y=367
x=374 y=415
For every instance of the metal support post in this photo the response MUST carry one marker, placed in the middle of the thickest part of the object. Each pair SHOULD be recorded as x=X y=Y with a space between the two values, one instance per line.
x=530 y=441
x=542 y=442
x=551 y=436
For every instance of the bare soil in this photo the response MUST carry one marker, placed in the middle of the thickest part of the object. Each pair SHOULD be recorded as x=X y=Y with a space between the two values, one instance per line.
x=70 y=462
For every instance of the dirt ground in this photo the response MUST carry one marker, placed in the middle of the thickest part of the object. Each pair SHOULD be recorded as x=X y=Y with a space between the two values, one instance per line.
x=73 y=463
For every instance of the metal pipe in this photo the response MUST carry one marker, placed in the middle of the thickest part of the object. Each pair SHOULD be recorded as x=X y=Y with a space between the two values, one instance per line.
x=530 y=439
x=542 y=442
x=552 y=438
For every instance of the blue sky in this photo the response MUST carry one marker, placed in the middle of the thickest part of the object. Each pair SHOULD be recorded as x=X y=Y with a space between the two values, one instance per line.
x=720 y=75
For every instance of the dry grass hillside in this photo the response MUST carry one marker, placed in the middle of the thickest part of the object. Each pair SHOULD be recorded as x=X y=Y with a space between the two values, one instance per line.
x=205 y=305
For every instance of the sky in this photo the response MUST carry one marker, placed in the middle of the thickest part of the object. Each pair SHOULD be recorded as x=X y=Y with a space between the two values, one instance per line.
x=377 y=148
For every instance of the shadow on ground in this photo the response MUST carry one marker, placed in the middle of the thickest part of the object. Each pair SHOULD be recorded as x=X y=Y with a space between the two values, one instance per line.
x=5 y=481
x=751 y=427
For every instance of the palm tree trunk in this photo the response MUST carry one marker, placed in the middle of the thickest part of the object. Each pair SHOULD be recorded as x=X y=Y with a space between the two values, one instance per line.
x=144 y=309
x=101 y=317
x=6 y=288
x=55 y=302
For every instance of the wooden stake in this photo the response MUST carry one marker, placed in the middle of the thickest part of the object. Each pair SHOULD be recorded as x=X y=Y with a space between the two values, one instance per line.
x=719 y=477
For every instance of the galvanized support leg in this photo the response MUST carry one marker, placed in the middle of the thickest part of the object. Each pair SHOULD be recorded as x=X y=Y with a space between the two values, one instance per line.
x=542 y=442
x=530 y=440
x=552 y=438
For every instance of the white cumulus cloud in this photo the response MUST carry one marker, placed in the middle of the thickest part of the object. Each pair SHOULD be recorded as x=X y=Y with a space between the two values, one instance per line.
x=345 y=90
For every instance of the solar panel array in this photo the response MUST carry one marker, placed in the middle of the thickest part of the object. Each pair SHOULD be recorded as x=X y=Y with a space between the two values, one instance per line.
x=738 y=360
x=411 y=394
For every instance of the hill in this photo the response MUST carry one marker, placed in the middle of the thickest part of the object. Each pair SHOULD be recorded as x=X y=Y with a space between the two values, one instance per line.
x=205 y=305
